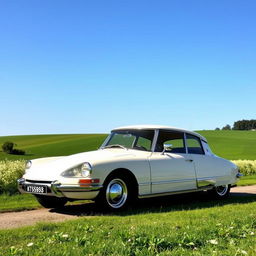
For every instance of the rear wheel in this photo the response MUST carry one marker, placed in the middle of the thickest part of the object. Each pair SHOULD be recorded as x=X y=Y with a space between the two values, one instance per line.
x=51 y=202
x=220 y=191
x=116 y=193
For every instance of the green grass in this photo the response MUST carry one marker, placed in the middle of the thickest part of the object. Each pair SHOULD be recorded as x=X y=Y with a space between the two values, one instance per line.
x=21 y=202
x=247 y=180
x=17 y=202
x=166 y=227
x=232 y=145
x=37 y=146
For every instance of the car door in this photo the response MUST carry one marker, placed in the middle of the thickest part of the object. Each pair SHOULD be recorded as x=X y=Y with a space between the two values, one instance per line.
x=210 y=169
x=171 y=170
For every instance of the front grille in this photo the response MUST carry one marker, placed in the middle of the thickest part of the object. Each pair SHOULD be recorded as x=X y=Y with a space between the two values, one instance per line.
x=40 y=181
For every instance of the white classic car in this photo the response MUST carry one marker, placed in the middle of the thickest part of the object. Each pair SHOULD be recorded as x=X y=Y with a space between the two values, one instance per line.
x=133 y=162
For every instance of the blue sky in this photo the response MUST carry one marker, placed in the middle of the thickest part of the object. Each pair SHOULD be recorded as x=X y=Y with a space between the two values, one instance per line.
x=89 y=66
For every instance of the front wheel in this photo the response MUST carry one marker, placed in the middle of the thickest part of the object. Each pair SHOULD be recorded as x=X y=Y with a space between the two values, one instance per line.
x=116 y=194
x=51 y=201
x=220 y=192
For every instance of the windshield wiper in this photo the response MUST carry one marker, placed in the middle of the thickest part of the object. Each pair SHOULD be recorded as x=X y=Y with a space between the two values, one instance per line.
x=115 y=146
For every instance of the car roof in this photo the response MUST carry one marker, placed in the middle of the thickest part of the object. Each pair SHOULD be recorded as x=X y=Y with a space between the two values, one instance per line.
x=158 y=127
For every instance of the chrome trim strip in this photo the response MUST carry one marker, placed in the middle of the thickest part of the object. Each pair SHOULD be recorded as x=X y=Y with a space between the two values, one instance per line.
x=207 y=181
x=172 y=181
x=75 y=188
x=172 y=193
x=185 y=142
x=211 y=177
x=154 y=140
x=145 y=184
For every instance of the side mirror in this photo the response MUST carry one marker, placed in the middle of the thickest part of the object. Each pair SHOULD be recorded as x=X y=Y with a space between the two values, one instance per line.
x=167 y=147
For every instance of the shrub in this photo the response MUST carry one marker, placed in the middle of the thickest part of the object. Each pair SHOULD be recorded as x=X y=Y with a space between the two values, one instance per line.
x=8 y=147
x=18 y=152
x=246 y=167
x=10 y=171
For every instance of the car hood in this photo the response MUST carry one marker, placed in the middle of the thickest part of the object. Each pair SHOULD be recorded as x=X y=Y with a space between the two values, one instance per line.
x=50 y=168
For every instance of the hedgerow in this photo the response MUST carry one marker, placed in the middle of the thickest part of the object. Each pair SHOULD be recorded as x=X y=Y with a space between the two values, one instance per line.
x=246 y=167
x=10 y=171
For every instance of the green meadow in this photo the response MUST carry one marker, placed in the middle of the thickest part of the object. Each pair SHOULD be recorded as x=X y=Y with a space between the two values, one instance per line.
x=37 y=146
x=232 y=145
x=180 y=225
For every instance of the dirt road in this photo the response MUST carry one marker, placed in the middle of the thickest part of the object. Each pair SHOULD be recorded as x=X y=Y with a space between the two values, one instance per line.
x=26 y=218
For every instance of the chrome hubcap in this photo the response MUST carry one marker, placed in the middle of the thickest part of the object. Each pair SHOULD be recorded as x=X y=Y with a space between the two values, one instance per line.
x=222 y=190
x=116 y=193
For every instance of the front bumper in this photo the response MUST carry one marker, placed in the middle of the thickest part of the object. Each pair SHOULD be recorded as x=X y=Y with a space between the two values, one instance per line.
x=55 y=188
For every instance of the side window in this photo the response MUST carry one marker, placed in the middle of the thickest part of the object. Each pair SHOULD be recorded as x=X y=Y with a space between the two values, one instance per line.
x=207 y=149
x=194 y=145
x=144 y=143
x=176 y=139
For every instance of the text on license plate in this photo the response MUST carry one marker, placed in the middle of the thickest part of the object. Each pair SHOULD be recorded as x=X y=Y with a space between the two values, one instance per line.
x=36 y=189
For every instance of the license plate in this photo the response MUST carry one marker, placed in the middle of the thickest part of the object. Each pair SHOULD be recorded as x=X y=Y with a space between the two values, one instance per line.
x=36 y=189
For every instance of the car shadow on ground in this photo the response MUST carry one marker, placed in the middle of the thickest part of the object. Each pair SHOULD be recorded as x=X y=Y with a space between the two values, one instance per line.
x=189 y=201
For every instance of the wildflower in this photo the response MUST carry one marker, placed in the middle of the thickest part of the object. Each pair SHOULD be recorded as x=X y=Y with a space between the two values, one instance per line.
x=30 y=244
x=65 y=235
x=213 y=241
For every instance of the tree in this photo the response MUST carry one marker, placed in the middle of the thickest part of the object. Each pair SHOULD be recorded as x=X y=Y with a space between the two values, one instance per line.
x=8 y=147
x=227 y=127
x=245 y=124
x=217 y=129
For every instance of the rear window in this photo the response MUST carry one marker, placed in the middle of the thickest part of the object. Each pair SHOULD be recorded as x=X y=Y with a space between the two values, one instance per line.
x=194 y=145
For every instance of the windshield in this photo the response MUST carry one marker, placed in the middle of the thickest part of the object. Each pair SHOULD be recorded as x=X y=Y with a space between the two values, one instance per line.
x=130 y=139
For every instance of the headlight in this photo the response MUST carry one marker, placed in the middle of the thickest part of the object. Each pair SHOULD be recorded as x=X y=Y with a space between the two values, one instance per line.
x=28 y=165
x=83 y=170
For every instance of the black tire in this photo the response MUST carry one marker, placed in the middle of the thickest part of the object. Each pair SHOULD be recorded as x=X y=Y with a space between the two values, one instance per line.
x=117 y=193
x=219 y=192
x=51 y=201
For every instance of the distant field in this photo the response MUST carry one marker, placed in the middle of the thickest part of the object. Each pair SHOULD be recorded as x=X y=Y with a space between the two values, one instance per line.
x=52 y=145
x=232 y=145
x=228 y=144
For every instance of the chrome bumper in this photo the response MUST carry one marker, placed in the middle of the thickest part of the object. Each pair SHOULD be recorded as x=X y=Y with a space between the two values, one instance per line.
x=55 y=188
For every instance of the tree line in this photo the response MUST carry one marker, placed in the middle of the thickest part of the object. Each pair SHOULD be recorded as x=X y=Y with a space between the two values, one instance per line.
x=244 y=125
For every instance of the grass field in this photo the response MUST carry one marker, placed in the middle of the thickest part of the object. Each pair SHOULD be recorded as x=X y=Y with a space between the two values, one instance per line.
x=52 y=145
x=247 y=180
x=228 y=144
x=18 y=202
x=163 y=227
x=232 y=145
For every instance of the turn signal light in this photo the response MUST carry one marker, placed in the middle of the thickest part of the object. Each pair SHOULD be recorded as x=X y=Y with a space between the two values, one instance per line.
x=86 y=182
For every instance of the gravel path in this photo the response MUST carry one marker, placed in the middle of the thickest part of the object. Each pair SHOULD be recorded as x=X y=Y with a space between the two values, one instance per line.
x=26 y=218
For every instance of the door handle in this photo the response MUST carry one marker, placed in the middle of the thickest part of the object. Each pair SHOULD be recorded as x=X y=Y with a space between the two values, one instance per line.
x=189 y=160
